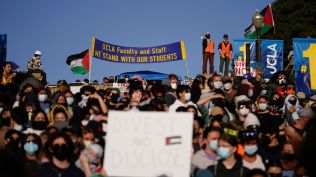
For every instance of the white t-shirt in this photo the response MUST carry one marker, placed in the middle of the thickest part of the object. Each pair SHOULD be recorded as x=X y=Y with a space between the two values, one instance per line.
x=178 y=103
x=258 y=163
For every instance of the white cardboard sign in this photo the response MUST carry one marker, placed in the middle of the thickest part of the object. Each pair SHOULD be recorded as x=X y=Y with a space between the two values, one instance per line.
x=148 y=144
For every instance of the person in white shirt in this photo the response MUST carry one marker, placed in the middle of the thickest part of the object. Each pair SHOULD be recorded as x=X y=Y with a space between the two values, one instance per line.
x=184 y=97
x=251 y=158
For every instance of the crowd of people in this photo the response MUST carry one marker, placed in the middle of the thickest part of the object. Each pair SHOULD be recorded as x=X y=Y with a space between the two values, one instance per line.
x=242 y=126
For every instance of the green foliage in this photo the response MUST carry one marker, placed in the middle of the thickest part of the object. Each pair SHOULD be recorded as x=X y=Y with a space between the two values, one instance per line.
x=293 y=19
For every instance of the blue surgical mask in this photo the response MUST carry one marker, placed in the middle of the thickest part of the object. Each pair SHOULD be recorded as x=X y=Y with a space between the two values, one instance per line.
x=223 y=152
x=30 y=148
x=251 y=149
x=213 y=145
x=263 y=106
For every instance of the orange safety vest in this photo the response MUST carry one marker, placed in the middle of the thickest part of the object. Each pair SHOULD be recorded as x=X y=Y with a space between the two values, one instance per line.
x=226 y=50
x=210 y=47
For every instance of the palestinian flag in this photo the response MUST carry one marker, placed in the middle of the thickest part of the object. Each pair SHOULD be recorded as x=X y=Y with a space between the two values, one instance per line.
x=268 y=23
x=79 y=63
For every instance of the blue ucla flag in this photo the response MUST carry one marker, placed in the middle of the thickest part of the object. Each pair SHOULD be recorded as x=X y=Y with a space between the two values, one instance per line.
x=3 y=48
x=137 y=55
x=271 y=57
x=305 y=65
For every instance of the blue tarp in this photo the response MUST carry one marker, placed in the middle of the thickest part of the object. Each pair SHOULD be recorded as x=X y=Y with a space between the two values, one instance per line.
x=147 y=75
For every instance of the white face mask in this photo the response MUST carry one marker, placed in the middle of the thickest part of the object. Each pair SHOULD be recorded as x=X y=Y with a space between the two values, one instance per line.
x=42 y=97
x=173 y=85
x=309 y=103
x=263 y=92
x=244 y=111
x=187 y=96
x=218 y=84
x=17 y=127
x=263 y=106
x=144 y=87
x=87 y=143
x=228 y=86
x=69 y=100
x=266 y=80
x=84 y=122
x=250 y=93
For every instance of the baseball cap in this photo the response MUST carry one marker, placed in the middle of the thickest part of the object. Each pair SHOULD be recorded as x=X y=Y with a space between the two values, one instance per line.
x=37 y=52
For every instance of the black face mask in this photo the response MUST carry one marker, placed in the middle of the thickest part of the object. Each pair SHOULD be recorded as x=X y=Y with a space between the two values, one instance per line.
x=61 y=152
x=314 y=109
x=114 y=98
x=288 y=157
x=275 y=175
x=292 y=102
x=13 y=144
x=39 y=125
x=6 y=121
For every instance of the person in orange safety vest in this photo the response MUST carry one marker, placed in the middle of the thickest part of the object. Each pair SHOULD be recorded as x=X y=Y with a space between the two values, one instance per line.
x=208 y=53
x=225 y=50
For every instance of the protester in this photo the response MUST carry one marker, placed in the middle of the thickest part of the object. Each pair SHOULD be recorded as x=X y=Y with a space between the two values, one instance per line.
x=6 y=75
x=207 y=156
x=35 y=62
x=60 y=147
x=230 y=164
x=240 y=123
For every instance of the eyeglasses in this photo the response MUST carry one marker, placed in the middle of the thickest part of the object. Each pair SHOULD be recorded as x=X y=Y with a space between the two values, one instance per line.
x=28 y=141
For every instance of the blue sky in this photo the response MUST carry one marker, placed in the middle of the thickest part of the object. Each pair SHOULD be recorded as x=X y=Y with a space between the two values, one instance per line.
x=60 y=28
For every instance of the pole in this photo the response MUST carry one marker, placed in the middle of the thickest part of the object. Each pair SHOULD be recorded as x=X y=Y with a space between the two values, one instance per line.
x=90 y=64
x=247 y=57
x=186 y=65
x=258 y=45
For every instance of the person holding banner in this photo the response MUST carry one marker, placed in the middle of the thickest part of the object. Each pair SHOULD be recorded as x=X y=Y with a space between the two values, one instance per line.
x=225 y=50
x=208 y=53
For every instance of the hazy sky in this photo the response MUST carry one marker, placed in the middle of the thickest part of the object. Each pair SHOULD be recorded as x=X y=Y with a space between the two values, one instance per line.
x=60 y=28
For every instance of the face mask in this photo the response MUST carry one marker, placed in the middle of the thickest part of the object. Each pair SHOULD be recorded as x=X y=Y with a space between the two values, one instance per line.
x=250 y=93
x=292 y=102
x=213 y=145
x=144 y=87
x=1 y=109
x=84 y=122
x=30 y=148
x=69 y=100
x=87 y=143
x=263 y=106
x=263 y=92
x=61 y=152
x=251 y=149
x=13 y=144
x=173 y=85
x=114 y=98
x=223 y=152
x=39 y=125
x=228 y=86
x=187 y=96
x=282 y=82
x=60 y=124
x=17 y=127
x=218 y=85
x=244 y=111
x=6 y=121
x=290 y=92
x=42 y=97
x=288 y=157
